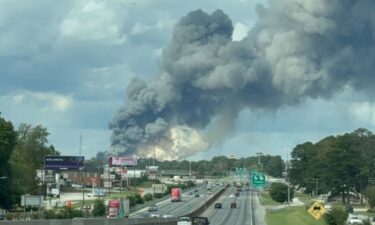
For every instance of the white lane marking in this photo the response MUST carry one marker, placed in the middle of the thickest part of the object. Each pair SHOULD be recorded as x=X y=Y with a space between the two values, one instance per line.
x=251 y=209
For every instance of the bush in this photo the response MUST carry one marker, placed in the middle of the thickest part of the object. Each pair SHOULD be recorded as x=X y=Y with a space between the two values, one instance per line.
x=132 y=200
x=337 y=216
x=148 y=197
x=99 y=208
x=139 y=199
x=279 y=192
x=158 y=195
x=66 y=213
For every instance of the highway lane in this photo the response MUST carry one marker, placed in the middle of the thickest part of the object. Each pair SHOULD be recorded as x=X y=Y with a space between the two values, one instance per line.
x=242 y=215
x=176 y=209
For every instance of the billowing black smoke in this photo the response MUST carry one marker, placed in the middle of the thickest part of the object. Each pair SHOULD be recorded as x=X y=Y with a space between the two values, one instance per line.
x=298 y=49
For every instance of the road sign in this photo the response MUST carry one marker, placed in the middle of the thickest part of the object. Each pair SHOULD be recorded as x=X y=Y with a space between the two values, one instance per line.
x=158 y=188
x=31 y=200
x=259 y=180
x=317 y=210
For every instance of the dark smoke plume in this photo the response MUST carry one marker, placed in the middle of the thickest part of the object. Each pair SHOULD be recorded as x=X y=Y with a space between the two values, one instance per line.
x=298 y=49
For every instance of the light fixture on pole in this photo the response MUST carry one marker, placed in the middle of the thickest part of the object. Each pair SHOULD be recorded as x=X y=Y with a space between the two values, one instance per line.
x=259 y=154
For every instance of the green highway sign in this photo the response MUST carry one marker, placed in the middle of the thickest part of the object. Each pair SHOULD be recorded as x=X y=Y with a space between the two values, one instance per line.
x=258 y=180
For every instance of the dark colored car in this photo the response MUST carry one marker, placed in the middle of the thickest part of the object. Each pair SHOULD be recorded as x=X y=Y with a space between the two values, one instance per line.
x=195 y=190
x=237 y=194
x=218 y=206
x=233 y=205
x=200 y=221
x=196 y=195
x=152 y=208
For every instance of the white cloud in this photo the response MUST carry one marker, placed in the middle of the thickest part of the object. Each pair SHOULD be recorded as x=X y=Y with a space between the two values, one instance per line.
x=43 y=101
x=363 y=111
x=93 y=20
x=240 y=31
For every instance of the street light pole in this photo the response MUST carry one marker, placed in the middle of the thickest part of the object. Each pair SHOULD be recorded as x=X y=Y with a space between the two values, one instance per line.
x=287 y=176
x=190 y=170
x=259 y=154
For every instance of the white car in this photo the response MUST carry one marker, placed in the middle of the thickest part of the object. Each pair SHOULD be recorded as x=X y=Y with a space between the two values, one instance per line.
x=232 y=196
x=354 y=220
x=184 y=221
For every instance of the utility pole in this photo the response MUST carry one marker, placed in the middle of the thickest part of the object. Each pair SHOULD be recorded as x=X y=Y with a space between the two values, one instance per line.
x=259 y=154
x=287 y=178
x=190 y=170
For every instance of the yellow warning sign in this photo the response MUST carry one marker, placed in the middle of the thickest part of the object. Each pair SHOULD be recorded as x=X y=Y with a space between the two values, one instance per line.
x=317 y=210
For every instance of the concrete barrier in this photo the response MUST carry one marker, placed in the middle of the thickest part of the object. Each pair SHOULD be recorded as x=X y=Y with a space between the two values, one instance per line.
x=198 y=211
x=96 y=221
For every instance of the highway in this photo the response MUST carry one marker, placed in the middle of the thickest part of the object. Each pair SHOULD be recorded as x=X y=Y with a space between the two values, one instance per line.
x=242 y=215
x=176 y=209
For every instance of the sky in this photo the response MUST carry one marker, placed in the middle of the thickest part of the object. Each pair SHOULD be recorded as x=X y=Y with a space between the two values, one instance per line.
x=67 y=64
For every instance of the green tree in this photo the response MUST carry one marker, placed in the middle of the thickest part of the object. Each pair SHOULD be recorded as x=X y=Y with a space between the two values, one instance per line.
x=337 y=216
x=339 y=164
x=279 y=192
x=27 y=157
x=370 y=195
x=99 y=208
x=275 y=166
x=8 y=138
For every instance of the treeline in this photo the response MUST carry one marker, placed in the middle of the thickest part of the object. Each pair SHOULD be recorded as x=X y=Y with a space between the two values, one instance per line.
x=217 y=166
x=22 y=152
x=336 y=164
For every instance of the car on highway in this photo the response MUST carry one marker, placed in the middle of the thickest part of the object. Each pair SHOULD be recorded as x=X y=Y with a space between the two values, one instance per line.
x=152 y=208
x=155 y=215
x=354 y=220
x=200 y=221
x=196 y=190
x=189 y=193
x=233 y=205
x=232 y=196
x=184 y=221
x=196 y=195
x=218 y=205
x=237 y=194
x=166 y=216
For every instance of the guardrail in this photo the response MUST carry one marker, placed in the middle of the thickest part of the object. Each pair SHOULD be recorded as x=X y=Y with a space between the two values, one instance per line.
x=198 y=211
x=96 y=221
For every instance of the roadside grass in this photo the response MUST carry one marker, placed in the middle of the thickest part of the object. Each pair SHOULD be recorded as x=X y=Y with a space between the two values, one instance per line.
x=305 y=198
x=267 y=200
x=295 y=215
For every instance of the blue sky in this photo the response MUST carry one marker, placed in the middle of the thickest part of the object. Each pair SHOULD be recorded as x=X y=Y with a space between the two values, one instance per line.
x=66 y=65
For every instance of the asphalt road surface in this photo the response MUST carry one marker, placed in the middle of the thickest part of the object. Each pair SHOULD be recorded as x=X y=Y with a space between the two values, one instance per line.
x=176 y=209
x=248 y=211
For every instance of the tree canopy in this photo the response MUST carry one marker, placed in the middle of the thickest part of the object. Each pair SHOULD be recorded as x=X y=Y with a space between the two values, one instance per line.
x=8 y=138
x=337 y=163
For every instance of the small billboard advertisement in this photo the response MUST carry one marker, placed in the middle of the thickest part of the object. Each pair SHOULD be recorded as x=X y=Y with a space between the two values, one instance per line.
x=64 y=162
x=113 y=208
x=122 y=161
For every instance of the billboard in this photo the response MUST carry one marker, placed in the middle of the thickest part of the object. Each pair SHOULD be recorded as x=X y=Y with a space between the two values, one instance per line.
x=122 y=161
x=31 y=200
x=64 y=162
x=158 y=188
